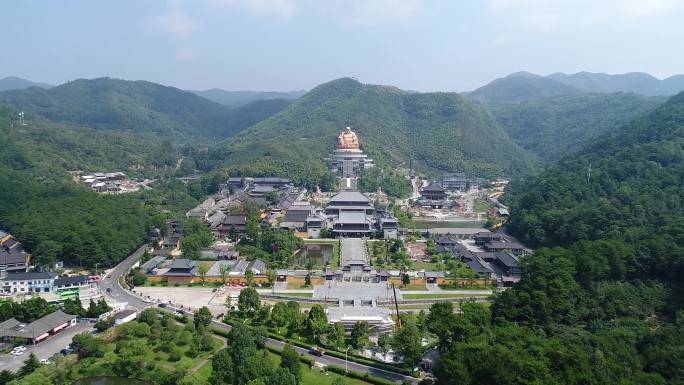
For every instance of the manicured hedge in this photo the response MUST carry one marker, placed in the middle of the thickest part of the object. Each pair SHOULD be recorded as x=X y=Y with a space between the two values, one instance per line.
x=336 y=354
x=364 y=377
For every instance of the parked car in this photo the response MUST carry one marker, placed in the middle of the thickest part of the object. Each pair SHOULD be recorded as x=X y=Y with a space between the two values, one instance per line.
x=45 y=361
x=21 y=348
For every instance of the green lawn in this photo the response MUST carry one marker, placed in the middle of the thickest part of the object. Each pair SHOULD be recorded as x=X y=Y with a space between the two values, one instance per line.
x=427 y=266
x=205 y=370
x=466 y=287
x=317 y=377
x=437 y=295
x=414 y=287
x=481 y=205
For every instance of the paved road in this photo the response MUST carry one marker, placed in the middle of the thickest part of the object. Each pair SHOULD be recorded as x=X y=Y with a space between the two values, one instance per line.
x=45 y=349
x=118 y=294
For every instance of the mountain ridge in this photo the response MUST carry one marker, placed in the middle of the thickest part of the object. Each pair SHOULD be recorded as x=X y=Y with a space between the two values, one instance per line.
x=393 y=125
x=241 y=97
x=17 y=83
x=138 y=106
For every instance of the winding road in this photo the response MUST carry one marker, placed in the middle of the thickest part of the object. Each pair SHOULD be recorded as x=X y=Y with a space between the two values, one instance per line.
x=113 y=290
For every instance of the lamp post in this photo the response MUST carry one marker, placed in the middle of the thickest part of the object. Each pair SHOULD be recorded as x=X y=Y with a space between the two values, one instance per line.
x=97 y=283
x=346 y=366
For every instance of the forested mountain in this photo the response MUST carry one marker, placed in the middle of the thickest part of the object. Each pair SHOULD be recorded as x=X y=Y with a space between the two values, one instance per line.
x=138 y=106
x=519 y=87
x=555 y=126
x=604 y=305
x=55 y=218
x=636 y=82
x=441 y=131
x=239 y=98
x=15 y=83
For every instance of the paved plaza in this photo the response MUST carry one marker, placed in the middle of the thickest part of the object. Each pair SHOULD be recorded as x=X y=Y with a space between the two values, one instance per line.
x=352 y=249
x=353 y=290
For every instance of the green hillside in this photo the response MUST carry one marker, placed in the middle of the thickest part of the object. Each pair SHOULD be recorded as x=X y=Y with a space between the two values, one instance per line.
x=629 y=185
x=555 y=126
x=519 y=87
x=138 y=106
x=55 y=218
x=605 y=304
x=441 y=131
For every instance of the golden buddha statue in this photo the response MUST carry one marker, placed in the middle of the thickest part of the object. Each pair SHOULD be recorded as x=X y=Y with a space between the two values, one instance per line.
x=347 y=140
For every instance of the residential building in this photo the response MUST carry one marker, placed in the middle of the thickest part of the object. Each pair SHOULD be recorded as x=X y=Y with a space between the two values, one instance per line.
x=37 y=330
x=34 y=282
x=13 y=258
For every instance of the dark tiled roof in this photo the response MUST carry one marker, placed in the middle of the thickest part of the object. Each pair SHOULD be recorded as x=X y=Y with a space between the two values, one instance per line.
x=29 y=276
x=37 y=327
x=504 y=246
x=234 y=219
x=72 y=280
x=433 y=188
x=13 y=257
x=296 y=216
x=152 y=263
x=349 y=196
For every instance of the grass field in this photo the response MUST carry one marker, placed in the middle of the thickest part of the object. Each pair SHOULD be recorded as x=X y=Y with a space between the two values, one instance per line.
x=427 y=266
x=466 y=287
x=414 y=287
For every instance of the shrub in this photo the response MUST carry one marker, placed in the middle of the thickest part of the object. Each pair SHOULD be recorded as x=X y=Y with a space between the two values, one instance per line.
x=174 y=356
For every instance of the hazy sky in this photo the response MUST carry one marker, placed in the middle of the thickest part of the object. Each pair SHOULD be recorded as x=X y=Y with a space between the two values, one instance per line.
x=435 y=45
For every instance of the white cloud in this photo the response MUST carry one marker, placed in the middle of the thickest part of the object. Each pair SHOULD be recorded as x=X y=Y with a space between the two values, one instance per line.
x=353 y=12
x=283 y=9
x=376 y=12
x=176 y=22
x=547 y=15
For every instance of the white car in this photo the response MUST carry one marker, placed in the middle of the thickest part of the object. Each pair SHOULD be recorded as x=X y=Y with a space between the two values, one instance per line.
x=20 y=348
x=17 y=352
x=45 y=361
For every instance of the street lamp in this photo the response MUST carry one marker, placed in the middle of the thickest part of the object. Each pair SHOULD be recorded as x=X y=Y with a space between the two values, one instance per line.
x=97 y=283
x=346 y=367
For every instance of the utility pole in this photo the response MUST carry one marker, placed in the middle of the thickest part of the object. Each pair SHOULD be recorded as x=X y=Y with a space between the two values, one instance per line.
x=396 y=306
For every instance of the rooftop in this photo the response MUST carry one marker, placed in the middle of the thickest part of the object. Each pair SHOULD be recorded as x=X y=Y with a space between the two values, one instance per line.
x=352 y=218
x=350 y=196
x=29 y=276
x=433 y=188
x=14 y=328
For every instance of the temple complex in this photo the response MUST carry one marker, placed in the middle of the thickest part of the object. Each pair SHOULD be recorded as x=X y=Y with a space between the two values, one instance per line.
x=348 y=159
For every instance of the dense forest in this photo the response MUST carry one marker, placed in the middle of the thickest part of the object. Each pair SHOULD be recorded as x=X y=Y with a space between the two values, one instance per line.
x=601 y=301
x=57 y=219
x=392 y=183
x=559 y=125
x=140 y=107
x=441 y=131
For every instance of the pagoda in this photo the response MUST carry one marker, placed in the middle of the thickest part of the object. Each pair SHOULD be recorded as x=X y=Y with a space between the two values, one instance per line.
x=348 y=159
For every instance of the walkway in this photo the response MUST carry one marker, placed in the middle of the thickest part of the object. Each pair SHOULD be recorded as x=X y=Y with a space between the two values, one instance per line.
x=353 y=249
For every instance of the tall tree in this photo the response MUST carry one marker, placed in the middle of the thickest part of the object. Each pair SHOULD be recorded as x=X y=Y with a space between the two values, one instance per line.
x=289 y=359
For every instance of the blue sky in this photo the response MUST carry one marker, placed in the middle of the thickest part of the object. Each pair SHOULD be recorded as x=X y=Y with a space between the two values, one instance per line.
x=425 y=45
